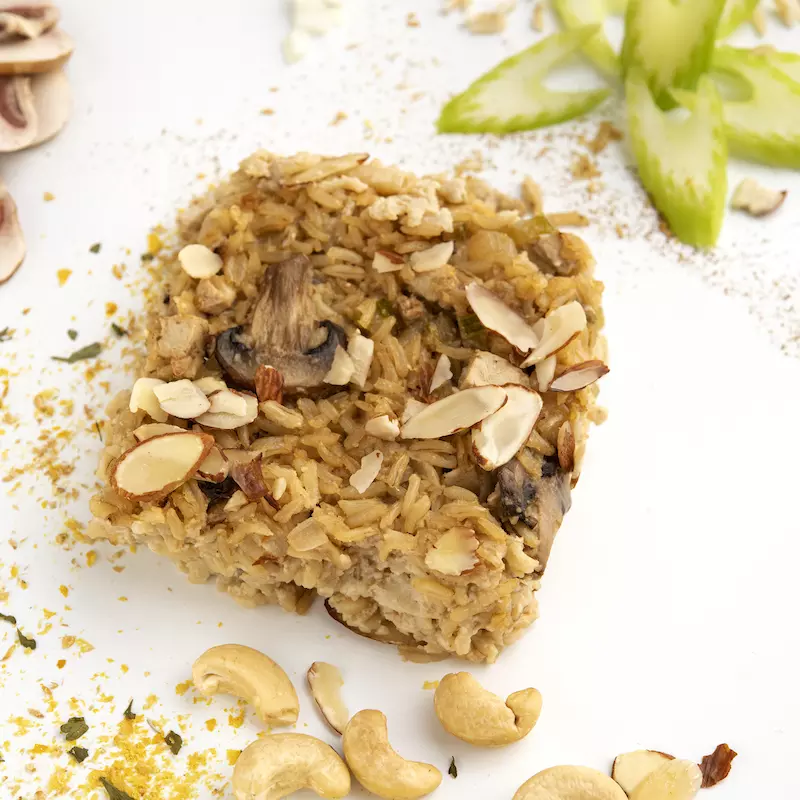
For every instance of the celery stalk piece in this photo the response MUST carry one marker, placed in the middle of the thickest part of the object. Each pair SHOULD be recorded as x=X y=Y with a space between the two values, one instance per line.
x=736 y=13
x=574 y=13
x=787 y=63
x=512 y=96
x=682 y=159
x=671 y=41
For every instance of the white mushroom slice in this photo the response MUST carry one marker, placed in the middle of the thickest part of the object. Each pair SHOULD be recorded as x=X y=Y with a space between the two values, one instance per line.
x=210 y=385
x=578 y=376
x=362 y=478
x=181 y=399
x=198 y=261
x=441 y=374
x=385 y=261
x=152 y=429
x=42 y=54
x=499 y=437
x=17 y=113
x=151 y=469
x=455 y=413
x=325 y=682
x=755 y=199
x=383 y=427
x=433 y=258
x=485 y=369
x=560 y=328
x=27 y=20
x=12 y=241
x=52 y=102
x=224 y=420
x=360 y=349
x=630 y=769
x=413 y=407
x=676 y=779
x=214 y=467
x=545 y=372
x=495 y=315
x=143 y=398
x=342 y=368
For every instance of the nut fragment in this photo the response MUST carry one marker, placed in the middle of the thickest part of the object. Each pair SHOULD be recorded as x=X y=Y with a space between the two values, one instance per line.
x=219 y=414
x=578 y=376
x=209 y=385
x=433 y=258
x=630 y=769
x=249 y=674
x=181 y=399
x=566 y=447
x=475 y=715
x=325 y=683
x=441 y=374
x=717 y=766
x=412 y=408
x=545 y=372
x=560 y=328
x=676 y=780
x=755 y=199
x=198 y=261
x=143 y=398
x=360 y=349
x=278 y=765
x=495 y=315
x=363 y=477
x=485 y=368
x=454 y=552
x=569 y=783
x=342 y=368
x=151 y=469
x=383 y=427
x=385 y=261
x=378 y=767
x=454 y=413
x=215 y=467
x=152 y=429
x=269 y=384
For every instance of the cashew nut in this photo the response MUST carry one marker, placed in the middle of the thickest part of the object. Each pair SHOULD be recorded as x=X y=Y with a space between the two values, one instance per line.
x=275 y=766
x=477 y=716
x=570 y=783
x=247 y=673
x=325 y=682
x=378 y=767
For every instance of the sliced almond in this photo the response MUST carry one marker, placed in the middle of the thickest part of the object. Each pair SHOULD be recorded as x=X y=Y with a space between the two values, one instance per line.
x=433 y=258
x=442 y=374
x=362 y=478
x=717 y=766
x=455 y=413
x=413 y=407
x=757 y=200
x=454 y=552
x=143 y=398
x=12 y=241
x=52 y=101
x=269 y=384
x=360 y=349
x=198 y=261
x=485 y=369
x=630 y=769
x=325 y=682
x=210 y=385
x=151 y=469
x=675 y=779
x=279 y=488
x=495 y=315
x=385 y=261
x=214 y=467
x=224 y=420
x=566 y=447
x=383 y=427
x=499 y=437
x=342 y=368
x=560 y=328
x=578 y=376
x=228 y=401
x=42 y=54
x=250 y=479
x=545 y=372
x=181 y=399
x=144 y=432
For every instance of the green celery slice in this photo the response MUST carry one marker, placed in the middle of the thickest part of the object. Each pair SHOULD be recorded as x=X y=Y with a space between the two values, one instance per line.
x=736 y=13
x=682 y=160
x=765 y=126
x=671 y=41
x=787 y=63
x=575 y=13
x=512 y=96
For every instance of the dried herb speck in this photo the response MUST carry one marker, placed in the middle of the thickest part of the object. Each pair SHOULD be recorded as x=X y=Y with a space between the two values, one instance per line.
x=99 y=430
x=28 y=644
x=112 y=791
x=452 y=770
x=6 y=334
x=147 y=256
x=118 y=331
x=90 y=351
x=174 y=742
x=128 y=712
x=74 y=728
x=72 y=333
x=80 y=754
x=95 y=248
x=8 y=618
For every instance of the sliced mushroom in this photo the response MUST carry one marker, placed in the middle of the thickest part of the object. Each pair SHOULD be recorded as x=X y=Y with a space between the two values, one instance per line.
x=17 y=113
x=52 y=100
x=27 y=21
x=12 y=242
x=43 y=54
x=283 y=333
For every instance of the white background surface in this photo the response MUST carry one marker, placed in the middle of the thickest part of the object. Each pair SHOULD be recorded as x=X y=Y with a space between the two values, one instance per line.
x=669 y=608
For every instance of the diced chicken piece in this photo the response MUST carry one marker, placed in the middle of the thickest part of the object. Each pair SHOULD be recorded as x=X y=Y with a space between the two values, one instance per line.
x=181 y=339
x=410 y=308
x=214 y=295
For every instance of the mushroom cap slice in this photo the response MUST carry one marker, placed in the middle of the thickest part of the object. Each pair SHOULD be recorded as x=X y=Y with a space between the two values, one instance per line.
x=43 y=54
x=52 y=100
x=27 y=21
x=17 y=113
x=12 y=241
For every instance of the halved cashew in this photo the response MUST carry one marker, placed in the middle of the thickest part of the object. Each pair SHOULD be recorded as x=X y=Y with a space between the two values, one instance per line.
x=378 y=767
x=275 y=766
x=570 y=783
x=247 y=673
x=675 y=780
x=477 y=716
x=325 y=682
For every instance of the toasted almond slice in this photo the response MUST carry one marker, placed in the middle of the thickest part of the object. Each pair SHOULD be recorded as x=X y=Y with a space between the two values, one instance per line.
x=279 y=487
x=433 y=258
x=362 y=478
x=566 y=447
x=52 y=99
x=214 y=467
x=676 y=780
x=578 y=376
x=325 y=682
x=210 y=385
x=42 y=54
x=238 y=500
x=413 y=407
x=144 y=432
x=269 y=384
x=198 y=261
x=455 y=413
x=227 y=421
x=630 y=769
x=386 y=261
x=495 y=315
x=227 y=401
x=545 y=372
x=486 y=369
x=12 y=240
x=151 y=469
x=560 y=328
x=342 y=368
x=383 y=427
x=360 y=349
x=454 y=552
x=327 y=167
x=143 y=398
x=755 y=199
x=442 y=374
x=499 y=437
x=181 y=399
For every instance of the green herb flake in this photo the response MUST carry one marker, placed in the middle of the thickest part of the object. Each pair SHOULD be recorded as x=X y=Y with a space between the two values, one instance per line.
x=174 y=742
x=384 y=308
x=473 y=334
x=112 y=791
x=8 y=618
x=72 y=333
x=28 y=644
x=80 y=754
x=95 y=248
x=128 y=712
x=6 y=334
x=452 y=770
x=74 y=728
x=146 y=256
x=90 y=351
x=99 y=430
x=118 y=331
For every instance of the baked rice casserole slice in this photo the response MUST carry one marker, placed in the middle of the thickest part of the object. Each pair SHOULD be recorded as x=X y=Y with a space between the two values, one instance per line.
x=363 y=385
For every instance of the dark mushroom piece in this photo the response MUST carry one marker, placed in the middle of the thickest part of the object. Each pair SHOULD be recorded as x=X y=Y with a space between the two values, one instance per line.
x=283 y=333
x=26 y=21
